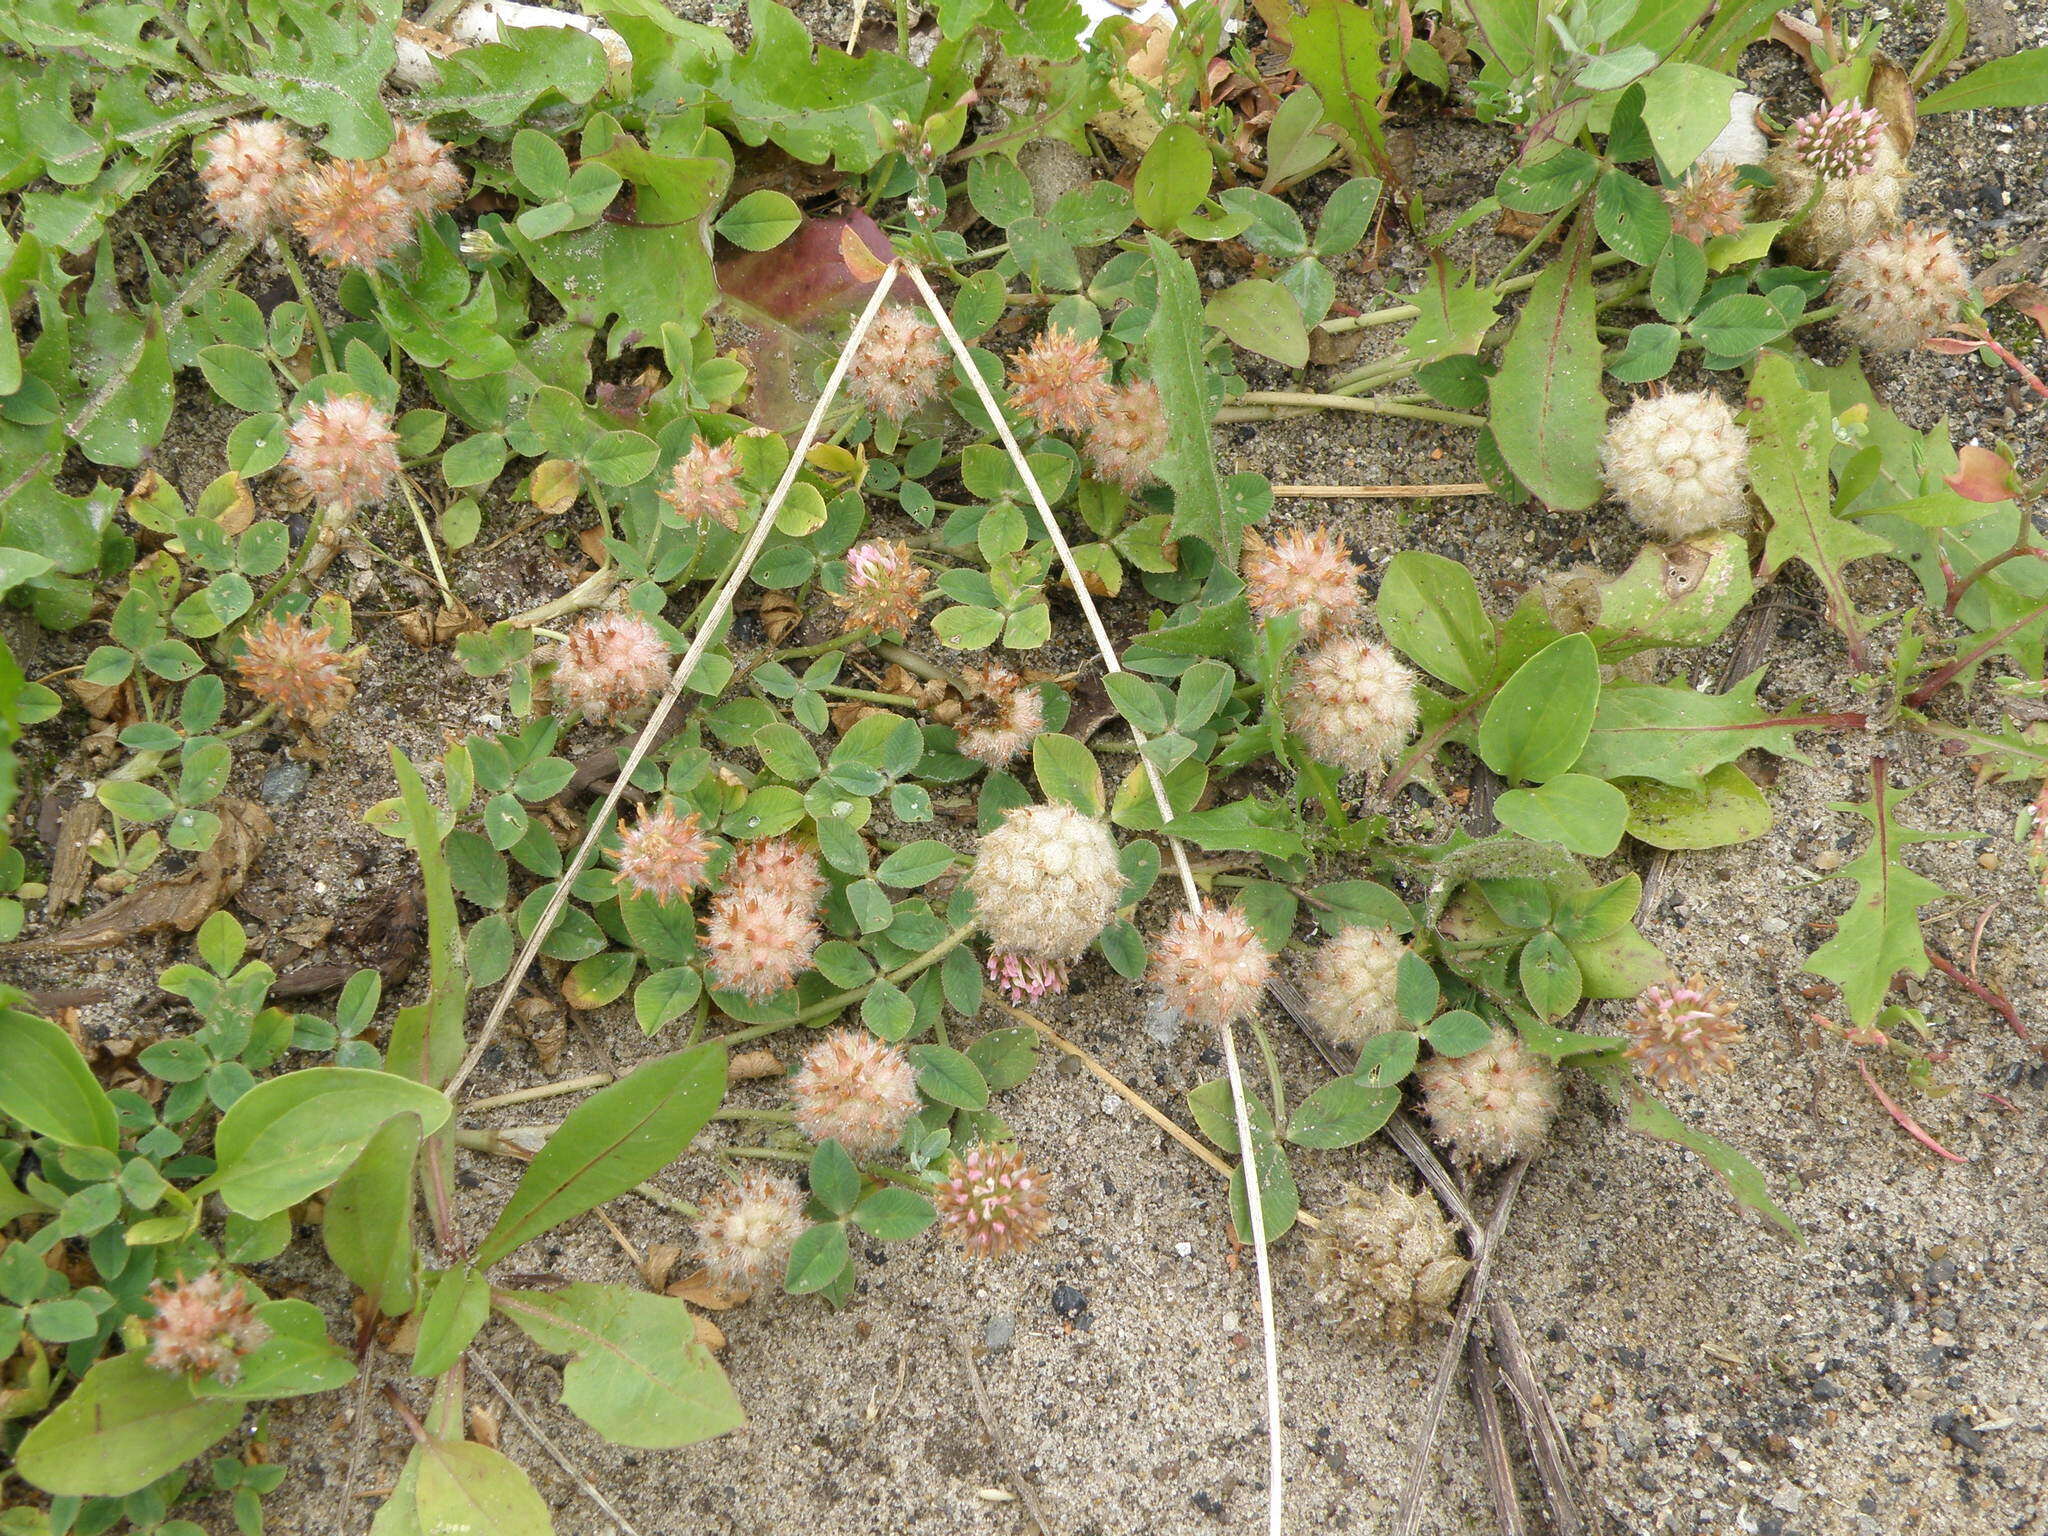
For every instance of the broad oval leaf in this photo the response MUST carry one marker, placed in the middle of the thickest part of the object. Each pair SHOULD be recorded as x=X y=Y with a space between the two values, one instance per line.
x=1431 y=611
x=125 y=1426
x=464 y=1489
x=46 y=1086
x=1585 y=814
x=1537 y=724
x=1547 y=412
x=292 y=1136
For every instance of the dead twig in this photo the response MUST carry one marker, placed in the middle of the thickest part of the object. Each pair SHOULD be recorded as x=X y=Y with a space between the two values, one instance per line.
x=1380 y=492
x=1548 y=1448
x=1500 y=1471
x=1018 y=1481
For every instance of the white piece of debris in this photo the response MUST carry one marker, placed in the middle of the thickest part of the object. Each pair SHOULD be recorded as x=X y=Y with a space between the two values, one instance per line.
x=485 y=21
x=1741 y=142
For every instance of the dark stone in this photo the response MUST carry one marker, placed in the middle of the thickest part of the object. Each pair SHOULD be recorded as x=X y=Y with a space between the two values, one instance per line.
x=1069 y=1302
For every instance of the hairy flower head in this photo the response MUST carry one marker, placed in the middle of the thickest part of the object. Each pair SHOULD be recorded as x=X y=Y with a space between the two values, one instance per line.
x=610 y=665
x=1493 y=1105
x=1003 y=714
x=1060 y=381
x=1682 y=1031
x=1025 y=978
x=991 y=1201
x=1351 y=991
x=705 y=483
x=294 y=666
x=884 y=587
x=1848 y=211
x=1841 y=140
x=757 y=942
x=1210 y=966
x=1306 y=572
x=855 y=1090
x=1897 y=291
x=350 y=214
x=1386 y=1265
x=746 y=1229
x=343 y=451
x=897 y=367
x=1046 y=881
x=249 y=171
x=203 y=1326
x=663 y=855
x=1679 y=463
x=1352 y=703
x=422 y=171
x=1127 y=436
x=780 y=867
x=1708 y=203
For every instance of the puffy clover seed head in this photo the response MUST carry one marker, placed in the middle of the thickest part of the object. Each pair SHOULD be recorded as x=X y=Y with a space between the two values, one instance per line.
x=1351 y=990
x=422 y=171
x=1494 y=1105
x=250 y=171
x=705 y=483
x=291 y=664
x=780 y=867
x=1898 y=290
x=1306 y=572
x=203 y=1326
x=1386 y=1265
x=757 y=942
x=663 y=855
x=1004 y=714
x=1679 y=463
x=991 y=1201
x=1210 y=966
x=610 y=665
x=1850 y=210
x=897 y=367
x=1682 y=1031
x=884 y=587
x=1060 y=381
x=1025 y=978
x=1352 y=703
x=1841 y=140
x=855 y=1090
x=1708 y=203
x=1127 y=436
x=1046 y=881
x=747 y=1228
x=350 y=214
x=343 y=451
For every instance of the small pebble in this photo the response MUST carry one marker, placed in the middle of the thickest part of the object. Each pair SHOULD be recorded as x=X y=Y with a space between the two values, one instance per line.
x=285 y=783
x=1067 y=1301
x=1001 y=1329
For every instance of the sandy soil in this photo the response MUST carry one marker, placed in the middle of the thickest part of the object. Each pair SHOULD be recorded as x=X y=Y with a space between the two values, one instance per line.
x=1885 y=1378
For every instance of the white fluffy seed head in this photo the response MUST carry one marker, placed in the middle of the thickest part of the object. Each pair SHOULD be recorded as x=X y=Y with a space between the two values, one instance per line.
x=1046 y=881
x=1898 y=290
x=747 y=1229
x=1352 y=703
x=1849 y=210
x=1351 y=991
x=1679 y=463
x=1210 y=966
x=1493 y=1105
x=1386 y=1265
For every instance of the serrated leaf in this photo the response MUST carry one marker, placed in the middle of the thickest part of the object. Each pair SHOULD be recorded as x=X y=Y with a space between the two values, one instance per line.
x=1879 y=935
x=1339 y=48
x=1205 y=506
x=1676 y=735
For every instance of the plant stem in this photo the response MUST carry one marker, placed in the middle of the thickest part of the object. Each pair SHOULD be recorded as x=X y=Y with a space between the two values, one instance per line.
x=1400 y=312
x=419 y=520
x=281 y=248
x=866 y=695
x=832 y=1005
x=1268 y=405
x=1918 y=698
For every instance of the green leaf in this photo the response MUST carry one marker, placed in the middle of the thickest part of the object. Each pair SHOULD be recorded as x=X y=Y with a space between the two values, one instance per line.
x=1879 y=935
x=1745 y=1182
x=2017 y=80
x=916 y=864
x=1550 y=976
x=464 y=1488
x=666 y=996
x=1458 y=1033
x=457 y=1308
x=1431 y=611
x=297 y=1359
x=289 y=1137
x=1067 y=771
x=46 y=1085
x=891 y=1214
x=125 y=1426
x=638 y=1376
x=613 y=1140
x=818 y=104
x=1677 y=736
x=1585 y=814
x=1339 y=49
x=1342 y=1114
x=1651 y=349
x=241 y=378
x=946 y=1076
x=1173 y=178
x=367 y=1230
x=760 y=221
x=1537 y=724
x=1205 y=506
x=1456 y=315
x=1547 y=412
x=1791 y=439
x=1546 y=185
x=1685 y=107
x=1263 y=317
x=817 y=1259
x=1727 y=808
x=834 y=1180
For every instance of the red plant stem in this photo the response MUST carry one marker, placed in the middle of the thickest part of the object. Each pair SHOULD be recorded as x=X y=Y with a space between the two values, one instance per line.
x=1978 y=990
x=1906 y=1122
x=1918 y=698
